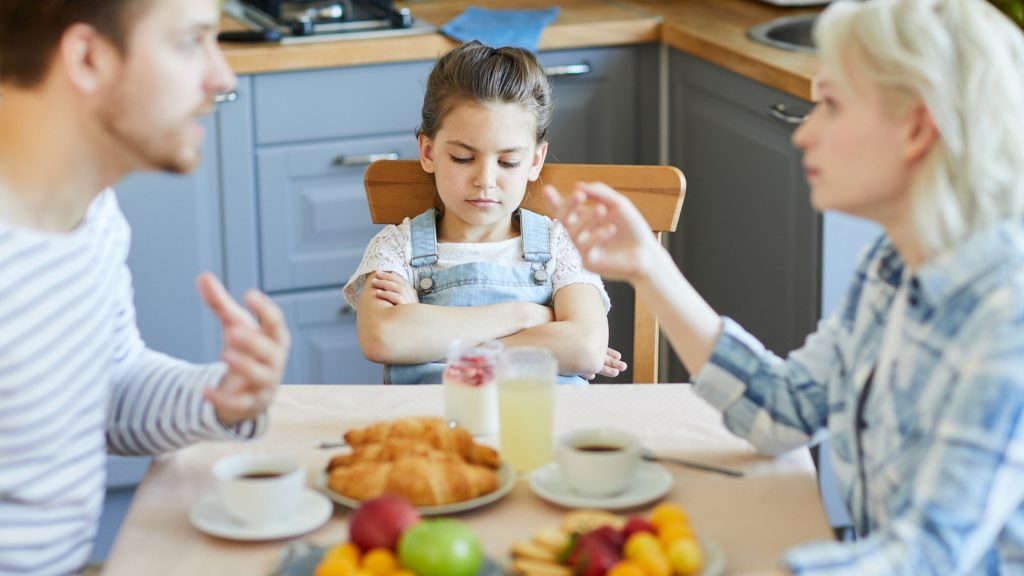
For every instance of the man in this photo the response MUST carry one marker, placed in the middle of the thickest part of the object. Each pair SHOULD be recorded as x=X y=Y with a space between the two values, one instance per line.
x=92 y=90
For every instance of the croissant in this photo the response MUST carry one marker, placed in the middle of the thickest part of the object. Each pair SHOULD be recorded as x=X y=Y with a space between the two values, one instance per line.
x=391 y=450
x=435 y=431
x=422 y=481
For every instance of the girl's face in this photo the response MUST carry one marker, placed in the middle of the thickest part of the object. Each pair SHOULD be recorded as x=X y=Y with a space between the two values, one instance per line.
x=482 y=158
x=860 y=158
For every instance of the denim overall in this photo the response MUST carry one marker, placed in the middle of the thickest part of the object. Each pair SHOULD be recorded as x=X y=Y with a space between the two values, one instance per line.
x=475 y=284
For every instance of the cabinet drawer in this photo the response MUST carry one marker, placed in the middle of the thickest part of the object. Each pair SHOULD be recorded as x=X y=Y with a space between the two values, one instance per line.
x=314 y=220
x=340 y=102
x=325 y=349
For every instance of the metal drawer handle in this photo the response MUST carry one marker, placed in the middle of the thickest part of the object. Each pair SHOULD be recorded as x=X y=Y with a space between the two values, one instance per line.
x=226 y=97
x=567 y=70
x=364 y=160
x=346 y=310
x=781 y=113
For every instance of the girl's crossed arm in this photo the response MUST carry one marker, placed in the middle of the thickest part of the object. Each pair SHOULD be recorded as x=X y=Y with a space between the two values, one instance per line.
x=394 y=328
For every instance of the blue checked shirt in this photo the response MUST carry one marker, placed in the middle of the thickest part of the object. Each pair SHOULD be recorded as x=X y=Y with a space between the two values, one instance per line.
x=933 y=470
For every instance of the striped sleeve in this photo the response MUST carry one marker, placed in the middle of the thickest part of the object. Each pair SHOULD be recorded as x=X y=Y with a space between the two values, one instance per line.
x=156 y=402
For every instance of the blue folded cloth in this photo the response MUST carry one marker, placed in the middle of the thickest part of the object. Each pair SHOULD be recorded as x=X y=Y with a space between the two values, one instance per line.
x=498 y=28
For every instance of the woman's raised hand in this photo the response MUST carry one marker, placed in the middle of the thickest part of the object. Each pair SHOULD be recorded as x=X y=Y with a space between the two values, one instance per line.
x=613 y=238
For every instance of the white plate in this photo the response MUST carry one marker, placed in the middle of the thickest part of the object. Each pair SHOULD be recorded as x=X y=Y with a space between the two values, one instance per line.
x=652 y=482
x=305 y=564
x=714 y=559
x=797 y=2
x=208 y=516
x=506 y=482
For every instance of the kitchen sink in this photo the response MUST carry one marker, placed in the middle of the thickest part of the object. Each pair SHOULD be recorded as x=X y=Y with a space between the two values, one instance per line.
x=787 y=33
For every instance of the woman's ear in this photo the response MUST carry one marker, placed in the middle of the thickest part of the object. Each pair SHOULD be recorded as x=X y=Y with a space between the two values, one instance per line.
x=921 y=133
x=537 y=163
x=426 y=146
x=89 y=60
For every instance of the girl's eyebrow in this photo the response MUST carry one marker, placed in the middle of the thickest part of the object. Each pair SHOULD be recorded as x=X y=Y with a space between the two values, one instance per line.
x=461 y=144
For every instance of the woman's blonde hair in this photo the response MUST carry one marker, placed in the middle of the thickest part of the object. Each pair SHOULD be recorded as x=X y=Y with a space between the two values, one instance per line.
x=964 y=61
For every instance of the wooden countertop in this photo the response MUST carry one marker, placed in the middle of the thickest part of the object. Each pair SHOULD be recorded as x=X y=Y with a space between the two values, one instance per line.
x=714 y=30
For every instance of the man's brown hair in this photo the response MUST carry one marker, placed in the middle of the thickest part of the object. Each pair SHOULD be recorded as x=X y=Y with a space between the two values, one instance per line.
x=30 y=31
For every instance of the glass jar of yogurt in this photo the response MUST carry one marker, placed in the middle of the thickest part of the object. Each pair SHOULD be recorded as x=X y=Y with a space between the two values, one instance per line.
x=470 y=391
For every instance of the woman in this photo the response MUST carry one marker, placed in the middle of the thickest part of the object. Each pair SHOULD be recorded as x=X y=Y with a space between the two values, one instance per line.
x=919 y=374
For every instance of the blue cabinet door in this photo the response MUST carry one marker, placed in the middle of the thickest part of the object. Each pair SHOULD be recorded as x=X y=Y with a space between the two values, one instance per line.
x=325 y=349
x=314 y=218
x=176 y=234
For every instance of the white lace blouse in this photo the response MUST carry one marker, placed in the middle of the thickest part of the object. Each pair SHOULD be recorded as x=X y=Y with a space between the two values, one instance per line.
x=391 y=250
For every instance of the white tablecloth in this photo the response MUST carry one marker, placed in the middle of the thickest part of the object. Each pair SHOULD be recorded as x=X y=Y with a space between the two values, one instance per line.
x=753 y=519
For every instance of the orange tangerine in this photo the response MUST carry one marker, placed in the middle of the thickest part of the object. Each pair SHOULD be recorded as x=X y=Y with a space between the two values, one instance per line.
x=672 y=531
x=666 y=513
x=380 y=561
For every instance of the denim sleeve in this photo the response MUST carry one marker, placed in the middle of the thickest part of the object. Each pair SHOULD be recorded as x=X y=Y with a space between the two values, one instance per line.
x=969 y=486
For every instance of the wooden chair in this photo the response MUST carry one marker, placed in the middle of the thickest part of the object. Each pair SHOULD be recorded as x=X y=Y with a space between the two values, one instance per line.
x=397 y=189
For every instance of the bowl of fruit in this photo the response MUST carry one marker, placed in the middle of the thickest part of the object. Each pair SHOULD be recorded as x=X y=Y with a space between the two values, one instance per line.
x=387 y=537
x=599 y=543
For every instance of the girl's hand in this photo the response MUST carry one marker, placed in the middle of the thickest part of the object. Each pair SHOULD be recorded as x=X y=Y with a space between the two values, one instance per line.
x=613 y=365
x=393 y=288
x=613 y=238
x=255 y=350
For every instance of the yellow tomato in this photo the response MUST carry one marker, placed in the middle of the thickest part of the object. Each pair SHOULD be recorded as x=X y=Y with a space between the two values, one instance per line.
x=655 y=563
x=380 y=561
x=403 y=572
x=626 y=568
x=685 y=557
x=640 y=544
x=668 y=513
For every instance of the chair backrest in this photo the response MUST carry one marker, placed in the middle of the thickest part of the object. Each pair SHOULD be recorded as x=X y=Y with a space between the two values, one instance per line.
x=399 y=189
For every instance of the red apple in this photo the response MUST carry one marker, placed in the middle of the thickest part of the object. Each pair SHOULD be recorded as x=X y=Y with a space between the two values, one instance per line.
x=380 y=521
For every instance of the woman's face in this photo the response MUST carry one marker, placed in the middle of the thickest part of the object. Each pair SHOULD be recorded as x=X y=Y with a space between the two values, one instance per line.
x=858 y=156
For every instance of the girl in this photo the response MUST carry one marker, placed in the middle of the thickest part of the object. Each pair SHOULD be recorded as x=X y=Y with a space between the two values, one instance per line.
x=919 y=374
x=478 y=267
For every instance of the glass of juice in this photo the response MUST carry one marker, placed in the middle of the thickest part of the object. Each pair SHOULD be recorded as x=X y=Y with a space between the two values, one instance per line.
x=470 y=392
x=526 y=397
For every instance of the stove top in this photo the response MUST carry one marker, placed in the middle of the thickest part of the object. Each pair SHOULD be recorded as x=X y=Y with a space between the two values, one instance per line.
x=301 y=21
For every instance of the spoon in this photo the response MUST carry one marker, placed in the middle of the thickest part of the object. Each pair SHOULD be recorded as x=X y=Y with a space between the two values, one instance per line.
x=647 y=454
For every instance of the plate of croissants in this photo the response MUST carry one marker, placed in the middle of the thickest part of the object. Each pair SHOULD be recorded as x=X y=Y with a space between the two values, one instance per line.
x=437 y=467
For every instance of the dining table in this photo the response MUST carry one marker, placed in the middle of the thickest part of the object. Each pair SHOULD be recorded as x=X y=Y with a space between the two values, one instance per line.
x=752 y=519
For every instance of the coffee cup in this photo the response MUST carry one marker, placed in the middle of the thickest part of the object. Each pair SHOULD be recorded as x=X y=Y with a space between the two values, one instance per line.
x=598 y=462
x=259 y=489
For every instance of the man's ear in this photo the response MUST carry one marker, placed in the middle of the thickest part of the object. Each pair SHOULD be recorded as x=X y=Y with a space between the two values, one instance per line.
x=426 y=146
x=538 y=161
x=88 y=58
x=921 y=133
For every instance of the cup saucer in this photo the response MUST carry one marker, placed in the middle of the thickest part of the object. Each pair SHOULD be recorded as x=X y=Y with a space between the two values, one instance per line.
x=209 y=516
x=652 y=481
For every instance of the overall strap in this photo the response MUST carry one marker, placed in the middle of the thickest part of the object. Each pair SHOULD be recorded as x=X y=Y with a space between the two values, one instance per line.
x=536 y=243
x=423 y=232
x=423 y=236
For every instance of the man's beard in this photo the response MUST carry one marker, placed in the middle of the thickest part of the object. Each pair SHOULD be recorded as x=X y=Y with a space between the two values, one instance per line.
x=172 y=150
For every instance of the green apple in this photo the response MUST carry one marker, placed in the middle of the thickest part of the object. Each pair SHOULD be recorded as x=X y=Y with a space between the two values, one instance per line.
x=440 y=547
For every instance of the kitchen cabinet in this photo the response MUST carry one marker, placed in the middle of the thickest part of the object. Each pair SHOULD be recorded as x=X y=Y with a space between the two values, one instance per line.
x=278 y=200
x=176 y=234
x=606 y=113
x=749 y=240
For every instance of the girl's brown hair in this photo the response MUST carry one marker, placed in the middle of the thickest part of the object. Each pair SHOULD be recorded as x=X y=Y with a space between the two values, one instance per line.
x=477 y=73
